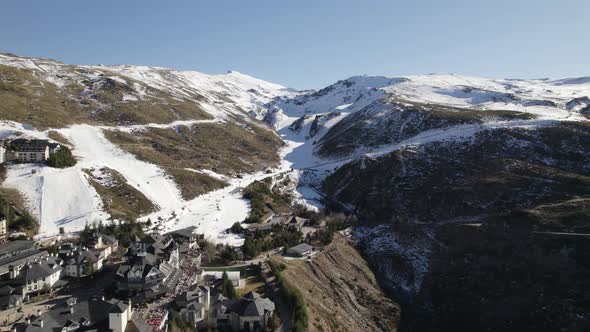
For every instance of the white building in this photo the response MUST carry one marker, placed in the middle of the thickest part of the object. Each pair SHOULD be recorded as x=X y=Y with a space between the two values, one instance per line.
x=3 y=227
x=2 y=154
x=233 y=276
x=104 y=244
x=250 y=313
x=40 y=275
x=32 y=150
x=80 y=262
x=119 y=315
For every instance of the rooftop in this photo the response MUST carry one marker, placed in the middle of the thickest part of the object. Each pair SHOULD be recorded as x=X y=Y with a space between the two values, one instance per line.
x=93 y=313
x=14 y=246
x=301 y=248
x=250 y=305
x=187 y=232
x=19 y=259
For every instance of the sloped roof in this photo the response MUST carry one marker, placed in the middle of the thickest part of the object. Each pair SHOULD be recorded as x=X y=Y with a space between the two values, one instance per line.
x=95 y=311
x=37 y=270
x=20 y=258
x=81 y=256
x=184 y=298
x=301 y=248
x=250 y=305
x=30 y=145
x=12 y=247
x=119 y=307
x=187 y=232
x=6 y=290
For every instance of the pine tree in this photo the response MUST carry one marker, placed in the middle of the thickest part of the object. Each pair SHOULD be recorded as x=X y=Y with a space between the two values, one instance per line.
x=227 y=288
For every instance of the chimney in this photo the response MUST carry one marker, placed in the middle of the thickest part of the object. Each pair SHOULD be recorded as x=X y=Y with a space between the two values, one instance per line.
x=41 y=323
x=28 y=320
x=38 y=312
x=129 y=311
x=72 y=310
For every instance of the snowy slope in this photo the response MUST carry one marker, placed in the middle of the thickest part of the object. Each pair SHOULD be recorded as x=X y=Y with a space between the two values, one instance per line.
x=392 y=113
x=542 y=99
x=545 y=97
x=64 y=198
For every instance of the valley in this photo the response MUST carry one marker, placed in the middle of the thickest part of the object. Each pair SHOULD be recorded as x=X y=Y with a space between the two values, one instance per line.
x=459 y=186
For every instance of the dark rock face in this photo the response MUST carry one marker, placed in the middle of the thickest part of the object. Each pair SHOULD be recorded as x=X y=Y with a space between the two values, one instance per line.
x=467 y=235
x=388 y=121
x=495 y=172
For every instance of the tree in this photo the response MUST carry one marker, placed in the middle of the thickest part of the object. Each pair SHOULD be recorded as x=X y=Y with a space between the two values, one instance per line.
x=61 y=158
x=228 y=254
x=227 y=287
x=209 y=249
x=62 y=231
x=236 y=228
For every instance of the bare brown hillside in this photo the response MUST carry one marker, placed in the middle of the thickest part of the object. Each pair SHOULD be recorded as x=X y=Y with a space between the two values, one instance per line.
x=340 y=291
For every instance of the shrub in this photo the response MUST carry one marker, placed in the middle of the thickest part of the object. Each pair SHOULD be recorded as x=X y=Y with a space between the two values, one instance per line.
x=293 y=297
x=263 y=201
x=123 y=232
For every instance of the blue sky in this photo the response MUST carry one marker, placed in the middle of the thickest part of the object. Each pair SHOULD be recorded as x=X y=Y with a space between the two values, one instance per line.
x=309 y=44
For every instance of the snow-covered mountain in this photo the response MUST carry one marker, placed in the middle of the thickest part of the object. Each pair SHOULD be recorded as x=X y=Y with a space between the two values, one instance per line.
x=191 y=133
x=154 y=126
x=371 y=116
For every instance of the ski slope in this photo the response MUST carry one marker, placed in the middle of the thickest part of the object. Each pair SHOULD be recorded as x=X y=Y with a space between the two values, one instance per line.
x=94 y=150
x=64 y=197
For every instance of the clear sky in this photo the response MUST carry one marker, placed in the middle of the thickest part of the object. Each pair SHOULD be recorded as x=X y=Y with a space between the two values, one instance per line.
x=309 y=44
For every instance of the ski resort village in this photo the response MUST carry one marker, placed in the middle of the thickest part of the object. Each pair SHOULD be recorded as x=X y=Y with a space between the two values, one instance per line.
x=150 y=273
x=149 y=199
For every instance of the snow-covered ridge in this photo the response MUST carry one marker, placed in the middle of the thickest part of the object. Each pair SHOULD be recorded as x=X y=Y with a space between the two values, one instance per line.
x=305 y=118
x=224 y=94
x=547 y=98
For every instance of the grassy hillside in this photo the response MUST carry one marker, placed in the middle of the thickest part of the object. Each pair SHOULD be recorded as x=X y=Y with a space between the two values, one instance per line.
x=225 y=148
x=121 y=200
x=491 y=280
x=27 y=97
x=391 y=121
x=192 y=184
